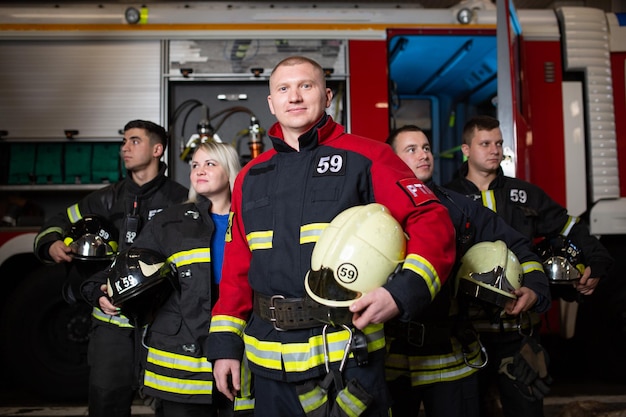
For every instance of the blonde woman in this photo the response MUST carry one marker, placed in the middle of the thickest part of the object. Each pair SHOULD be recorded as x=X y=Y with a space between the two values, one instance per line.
x=191 y=236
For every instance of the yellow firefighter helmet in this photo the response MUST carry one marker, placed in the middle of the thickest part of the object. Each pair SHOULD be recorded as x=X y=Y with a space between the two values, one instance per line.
x=490 y=272
x=358 y=251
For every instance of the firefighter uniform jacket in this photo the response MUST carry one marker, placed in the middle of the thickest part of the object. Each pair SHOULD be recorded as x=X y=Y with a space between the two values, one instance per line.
x=176 y=368
x=444 y=334
x=529 y=210
x=115 y=202
x=281 y=202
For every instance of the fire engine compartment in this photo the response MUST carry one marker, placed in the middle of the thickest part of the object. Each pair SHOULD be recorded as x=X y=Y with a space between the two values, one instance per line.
x=435 y=78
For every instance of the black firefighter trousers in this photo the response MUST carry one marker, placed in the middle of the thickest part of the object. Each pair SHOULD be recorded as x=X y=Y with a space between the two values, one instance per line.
x=113 y=376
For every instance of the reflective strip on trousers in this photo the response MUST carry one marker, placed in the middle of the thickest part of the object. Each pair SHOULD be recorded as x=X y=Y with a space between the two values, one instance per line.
x=351 y=401
x=314 y=399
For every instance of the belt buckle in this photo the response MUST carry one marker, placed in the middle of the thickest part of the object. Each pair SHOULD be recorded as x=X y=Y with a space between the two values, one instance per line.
x=416 y=340
x=272 y=309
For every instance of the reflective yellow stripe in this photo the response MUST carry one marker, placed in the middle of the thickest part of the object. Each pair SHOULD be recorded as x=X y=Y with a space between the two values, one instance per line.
x=531 y=266
x=73 y=213
x=242 y=404
x=188 y=257
x=47 y=231
x=350 y=404
x=222 y=323
x=489 y=200
x=429 y=369
x=265 y=354
x=299 y=357
x=245 y=401
x=310 y=233
x=260 y=240
x=177 y=385
x=176 y=361
x=313 y=399
x=568 y=226
x=424 y=269
x=121 y=320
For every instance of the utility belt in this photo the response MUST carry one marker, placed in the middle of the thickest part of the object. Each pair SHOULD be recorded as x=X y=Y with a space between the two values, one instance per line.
x=419 y=334
x=297 y=313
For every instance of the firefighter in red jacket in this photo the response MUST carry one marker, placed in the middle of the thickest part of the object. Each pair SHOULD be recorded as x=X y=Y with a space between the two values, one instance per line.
x=281 y=203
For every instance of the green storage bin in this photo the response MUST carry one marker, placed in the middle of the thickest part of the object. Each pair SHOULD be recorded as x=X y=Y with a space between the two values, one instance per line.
x=48 y=163
x=77 y=163
x=105 y=163
x=22 y=163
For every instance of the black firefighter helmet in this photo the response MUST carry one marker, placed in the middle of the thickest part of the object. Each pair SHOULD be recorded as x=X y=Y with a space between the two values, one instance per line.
x=139 y=281
x=92 y=238
x=93 y=241
x=562 y=260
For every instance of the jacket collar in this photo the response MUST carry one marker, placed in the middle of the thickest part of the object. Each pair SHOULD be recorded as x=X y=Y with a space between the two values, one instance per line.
x=464 y=169
x=308 y=140
x=151 y=185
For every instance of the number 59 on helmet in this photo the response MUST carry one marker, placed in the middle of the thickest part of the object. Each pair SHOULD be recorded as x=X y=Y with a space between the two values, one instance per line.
x=139 y=281
x=490 y=272
x=357 y=253
x=92 y=238
x=562 y=260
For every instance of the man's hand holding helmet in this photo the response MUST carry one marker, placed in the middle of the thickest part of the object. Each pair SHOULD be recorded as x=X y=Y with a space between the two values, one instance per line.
x=105 y=303
x=586 y=285
x=526 y=299
x=374 y=307
x=60 y=252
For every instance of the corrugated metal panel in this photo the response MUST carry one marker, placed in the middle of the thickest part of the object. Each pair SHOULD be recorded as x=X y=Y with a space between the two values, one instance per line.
x=586 y=48
x=94 y=87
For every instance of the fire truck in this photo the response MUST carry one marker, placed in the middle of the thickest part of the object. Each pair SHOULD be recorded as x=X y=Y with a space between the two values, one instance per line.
x=73 y=74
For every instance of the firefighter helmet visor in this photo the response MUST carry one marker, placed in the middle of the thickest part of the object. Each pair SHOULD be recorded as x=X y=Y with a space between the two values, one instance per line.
x=323 y=288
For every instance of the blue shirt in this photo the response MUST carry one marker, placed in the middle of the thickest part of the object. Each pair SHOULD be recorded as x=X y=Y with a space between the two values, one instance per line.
x=217 y=245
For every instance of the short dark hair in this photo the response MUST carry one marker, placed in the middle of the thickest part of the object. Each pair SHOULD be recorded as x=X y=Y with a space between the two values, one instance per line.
x=406 y=128
x=482 y=122
x=156 y=133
